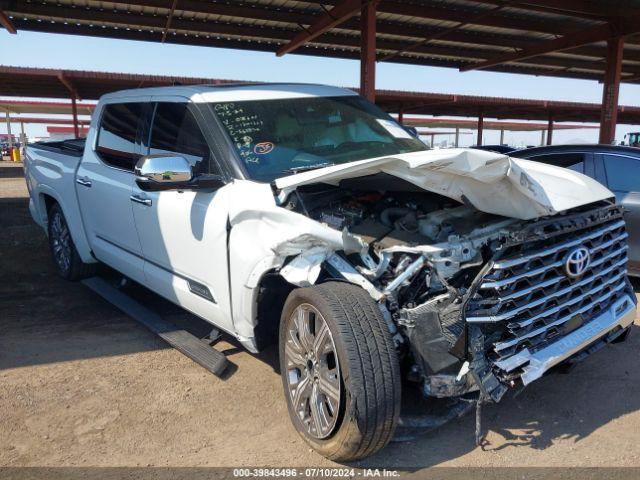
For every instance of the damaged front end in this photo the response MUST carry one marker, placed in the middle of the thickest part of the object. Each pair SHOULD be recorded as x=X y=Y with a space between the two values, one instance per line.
x=477 y=303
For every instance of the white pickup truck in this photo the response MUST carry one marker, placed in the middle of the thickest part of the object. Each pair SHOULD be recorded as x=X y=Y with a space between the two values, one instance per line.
x=306 y=210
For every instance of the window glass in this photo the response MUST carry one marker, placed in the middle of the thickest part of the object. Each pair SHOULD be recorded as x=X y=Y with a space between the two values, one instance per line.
x=572 y=161
x=623 y=173
x=175 y=130
x=117 y=134
x=279 y=137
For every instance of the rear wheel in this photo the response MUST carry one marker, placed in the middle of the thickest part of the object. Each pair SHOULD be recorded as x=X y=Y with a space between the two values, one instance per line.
x=339 y=370
x=65 y=256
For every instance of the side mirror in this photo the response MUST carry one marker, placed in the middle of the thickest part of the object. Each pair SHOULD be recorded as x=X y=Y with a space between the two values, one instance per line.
x=162 y=172
x=172 y=172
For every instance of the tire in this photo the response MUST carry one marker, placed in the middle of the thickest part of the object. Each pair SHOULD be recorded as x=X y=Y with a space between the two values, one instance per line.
x=369 y=383
x=63 y=251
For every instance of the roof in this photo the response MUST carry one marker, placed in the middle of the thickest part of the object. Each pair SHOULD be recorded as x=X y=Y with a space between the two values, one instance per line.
x=489 y=125
x=42 y=82
x=49 y=108
x=238 y=91
x=602 y=148
x=538 y=37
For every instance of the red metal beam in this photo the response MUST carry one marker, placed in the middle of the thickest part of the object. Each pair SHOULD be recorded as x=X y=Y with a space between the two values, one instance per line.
x=610 y=90
x=550 y=130
x=169 y=19
x=338 y=14
x=74 y=109
x=5 y=21
x=368 y=50
x=574 y=8
x=626 y=26
x=480 y=127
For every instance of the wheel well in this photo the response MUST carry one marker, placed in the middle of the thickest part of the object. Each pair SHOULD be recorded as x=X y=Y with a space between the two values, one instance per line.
x=273 y=291
x=49 y=202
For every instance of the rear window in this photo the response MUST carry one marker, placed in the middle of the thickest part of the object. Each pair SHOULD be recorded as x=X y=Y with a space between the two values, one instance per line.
x=117 y=135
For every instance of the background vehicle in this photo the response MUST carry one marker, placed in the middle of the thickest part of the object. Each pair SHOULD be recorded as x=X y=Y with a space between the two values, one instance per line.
x=618 y=168
x=304 y=213
x=494 y=148
x=632 y=139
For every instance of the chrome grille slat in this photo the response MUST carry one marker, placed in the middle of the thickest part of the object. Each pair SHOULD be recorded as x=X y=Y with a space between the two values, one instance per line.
x=541 y=270
x=525 y=300
x=553 y=280
x=541 y=301
x=550 y=251
x=533 y=333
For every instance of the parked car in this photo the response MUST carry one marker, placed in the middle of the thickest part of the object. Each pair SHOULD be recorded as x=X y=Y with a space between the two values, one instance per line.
x=495 y=148
x=616 y=167
x=305 y=215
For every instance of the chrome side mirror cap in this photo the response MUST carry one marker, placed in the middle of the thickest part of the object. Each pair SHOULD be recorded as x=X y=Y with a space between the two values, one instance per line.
x=162 y=172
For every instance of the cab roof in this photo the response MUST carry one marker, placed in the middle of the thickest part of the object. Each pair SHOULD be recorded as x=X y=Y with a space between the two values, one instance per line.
x=235 y=92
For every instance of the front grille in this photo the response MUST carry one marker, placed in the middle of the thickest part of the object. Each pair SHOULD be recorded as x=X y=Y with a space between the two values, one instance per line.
x=526 y=300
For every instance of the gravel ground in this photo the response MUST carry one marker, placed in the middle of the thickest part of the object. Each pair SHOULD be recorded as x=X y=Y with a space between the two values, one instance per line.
x=82 y=384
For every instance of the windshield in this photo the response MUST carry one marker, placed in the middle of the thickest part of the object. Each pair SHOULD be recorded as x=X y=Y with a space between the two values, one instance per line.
x=274 y=138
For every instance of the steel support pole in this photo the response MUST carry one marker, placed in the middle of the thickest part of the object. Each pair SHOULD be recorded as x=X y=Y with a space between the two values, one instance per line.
x=368 y=51
x=457 y=140
x=480 y=127
x=9 y=136
x=550 y=130
x=401 y=115
x=502 y=136
x=74 y=109
x=610 y=91
x=542 y=132
x=433 y=140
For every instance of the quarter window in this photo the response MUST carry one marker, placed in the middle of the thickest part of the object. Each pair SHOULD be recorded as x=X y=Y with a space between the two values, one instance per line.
x=117 y=135
x=623 y=173
x=175 y=131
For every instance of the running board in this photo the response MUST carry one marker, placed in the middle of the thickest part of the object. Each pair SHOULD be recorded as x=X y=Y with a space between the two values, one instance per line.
x=186 y=343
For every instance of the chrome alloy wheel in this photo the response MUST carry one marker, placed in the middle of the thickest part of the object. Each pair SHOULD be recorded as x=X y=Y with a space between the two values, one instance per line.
x=313 y=371
x=61 y=242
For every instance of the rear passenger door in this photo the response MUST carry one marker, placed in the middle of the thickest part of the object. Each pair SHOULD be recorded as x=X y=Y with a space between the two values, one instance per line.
x=105 y=180
x=622 y=176
x=184 y=232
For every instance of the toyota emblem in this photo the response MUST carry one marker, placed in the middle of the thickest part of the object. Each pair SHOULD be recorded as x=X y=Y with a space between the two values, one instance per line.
x=577 y=262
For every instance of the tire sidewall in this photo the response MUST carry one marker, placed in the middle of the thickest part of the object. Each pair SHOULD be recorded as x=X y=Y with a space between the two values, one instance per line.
x=56 y=211
x=346 y=430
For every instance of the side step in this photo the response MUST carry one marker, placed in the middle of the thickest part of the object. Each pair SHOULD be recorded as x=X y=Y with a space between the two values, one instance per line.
x=181 y=340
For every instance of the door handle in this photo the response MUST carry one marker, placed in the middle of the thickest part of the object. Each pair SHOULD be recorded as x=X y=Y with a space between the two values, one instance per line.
x=84 y=182
x=141 y=200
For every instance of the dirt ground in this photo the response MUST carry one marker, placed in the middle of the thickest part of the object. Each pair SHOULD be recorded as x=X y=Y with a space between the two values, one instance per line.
x=82 y=384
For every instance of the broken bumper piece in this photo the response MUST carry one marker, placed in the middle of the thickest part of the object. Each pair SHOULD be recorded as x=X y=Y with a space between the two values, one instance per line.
x=605 y=326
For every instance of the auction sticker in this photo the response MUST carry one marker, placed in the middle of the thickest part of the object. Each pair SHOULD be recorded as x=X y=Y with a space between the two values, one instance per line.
x=263 y=148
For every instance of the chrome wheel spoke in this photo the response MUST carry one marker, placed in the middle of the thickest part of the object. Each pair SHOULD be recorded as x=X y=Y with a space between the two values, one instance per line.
x=313 y=372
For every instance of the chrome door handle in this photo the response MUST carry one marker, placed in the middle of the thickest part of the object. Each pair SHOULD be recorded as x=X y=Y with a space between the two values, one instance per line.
x=84 y=182
x=141 y=200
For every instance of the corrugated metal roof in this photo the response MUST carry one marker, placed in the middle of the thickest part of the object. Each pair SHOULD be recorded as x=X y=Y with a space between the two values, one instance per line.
x=450 y=33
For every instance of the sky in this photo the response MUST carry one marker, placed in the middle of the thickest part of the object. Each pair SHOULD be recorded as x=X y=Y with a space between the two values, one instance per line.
x=29 y=49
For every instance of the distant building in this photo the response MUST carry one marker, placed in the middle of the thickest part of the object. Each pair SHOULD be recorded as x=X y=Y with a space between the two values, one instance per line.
x=65 y=133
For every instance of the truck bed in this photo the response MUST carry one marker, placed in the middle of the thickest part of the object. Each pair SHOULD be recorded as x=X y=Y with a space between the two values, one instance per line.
x=73 y=147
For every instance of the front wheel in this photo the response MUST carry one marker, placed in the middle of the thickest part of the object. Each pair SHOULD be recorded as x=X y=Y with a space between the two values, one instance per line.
x=339 y=370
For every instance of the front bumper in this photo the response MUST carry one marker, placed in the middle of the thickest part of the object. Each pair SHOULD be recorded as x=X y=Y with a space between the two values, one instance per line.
x=617 y=318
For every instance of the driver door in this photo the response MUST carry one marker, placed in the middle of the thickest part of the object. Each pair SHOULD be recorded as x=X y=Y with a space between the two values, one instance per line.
x=183 y=233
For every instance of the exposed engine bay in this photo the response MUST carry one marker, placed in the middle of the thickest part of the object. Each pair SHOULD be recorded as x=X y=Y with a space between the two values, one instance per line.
x=429 y=261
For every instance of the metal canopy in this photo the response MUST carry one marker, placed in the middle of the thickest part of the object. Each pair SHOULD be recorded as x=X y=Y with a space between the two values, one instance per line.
x=489 y=125
x=37 y=82
x=565 y=38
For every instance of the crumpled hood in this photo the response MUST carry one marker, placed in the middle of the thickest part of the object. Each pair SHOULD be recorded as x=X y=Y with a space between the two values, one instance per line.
x=491 y=182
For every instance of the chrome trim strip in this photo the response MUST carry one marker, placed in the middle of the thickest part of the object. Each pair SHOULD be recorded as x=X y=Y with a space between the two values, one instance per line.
x=559 y=293
x=537 y=363
x=544 y=253
x=538 y=271
x=551 y=281
x=502 y=345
